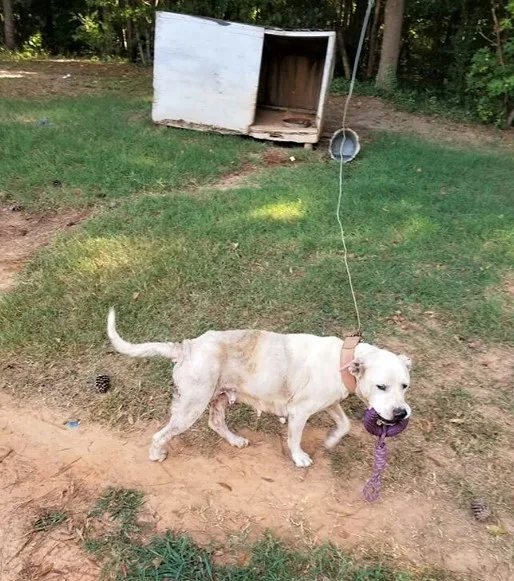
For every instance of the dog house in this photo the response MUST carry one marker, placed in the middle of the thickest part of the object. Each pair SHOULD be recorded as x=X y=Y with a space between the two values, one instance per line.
x=214 y=75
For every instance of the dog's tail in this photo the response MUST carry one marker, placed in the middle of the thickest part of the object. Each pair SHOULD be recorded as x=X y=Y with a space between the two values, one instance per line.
x=169 y=350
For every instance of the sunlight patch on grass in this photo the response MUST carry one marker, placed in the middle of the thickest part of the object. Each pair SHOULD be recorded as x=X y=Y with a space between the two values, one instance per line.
x=418 y=227
x=106 y=254
x=282 y=211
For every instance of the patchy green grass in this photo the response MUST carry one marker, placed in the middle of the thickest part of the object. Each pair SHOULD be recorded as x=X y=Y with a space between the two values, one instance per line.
x=101 y=147
x=121 y=504
x=48 y=519
x=428 y=228
x=114 y=530
x=125 y=556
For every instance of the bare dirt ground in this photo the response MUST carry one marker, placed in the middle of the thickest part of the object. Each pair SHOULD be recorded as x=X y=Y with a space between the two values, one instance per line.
x=227 y=494
x=68 y=77
x=223 y=495
x=371 y=114
x=22 y=233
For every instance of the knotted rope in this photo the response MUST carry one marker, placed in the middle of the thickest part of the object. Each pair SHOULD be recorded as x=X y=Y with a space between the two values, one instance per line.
x=376 y=426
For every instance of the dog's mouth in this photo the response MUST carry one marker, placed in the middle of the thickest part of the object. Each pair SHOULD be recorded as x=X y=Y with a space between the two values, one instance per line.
x=385 y=422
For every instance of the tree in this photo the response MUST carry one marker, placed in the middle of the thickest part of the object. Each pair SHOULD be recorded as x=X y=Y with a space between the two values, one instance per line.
x=393 y=20
x=373 y=38
x=10 y=43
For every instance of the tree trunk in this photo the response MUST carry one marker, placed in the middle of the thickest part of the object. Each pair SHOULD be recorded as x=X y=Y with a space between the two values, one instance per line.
x=386 y=76
x=344 y=55
x=10 y=43
x=510 y=118
x=353 y=32
x=373 y=37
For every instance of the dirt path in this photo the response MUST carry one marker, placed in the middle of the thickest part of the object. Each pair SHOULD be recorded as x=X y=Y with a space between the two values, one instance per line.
x=232 y=492
x=368 y=115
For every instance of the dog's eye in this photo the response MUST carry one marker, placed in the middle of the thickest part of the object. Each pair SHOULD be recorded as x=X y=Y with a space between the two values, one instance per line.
x=382 y=387
x=404 y=385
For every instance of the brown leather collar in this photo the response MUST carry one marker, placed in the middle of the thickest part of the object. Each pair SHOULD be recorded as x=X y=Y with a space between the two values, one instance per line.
x=348 y=355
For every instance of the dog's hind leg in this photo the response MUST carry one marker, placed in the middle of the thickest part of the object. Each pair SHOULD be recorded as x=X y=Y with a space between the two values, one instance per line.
x=185 y=410
x=218 y=424
x=341 y=428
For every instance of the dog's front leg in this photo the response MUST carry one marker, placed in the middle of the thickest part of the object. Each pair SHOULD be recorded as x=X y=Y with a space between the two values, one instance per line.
x=341 y=428
x=296 y=423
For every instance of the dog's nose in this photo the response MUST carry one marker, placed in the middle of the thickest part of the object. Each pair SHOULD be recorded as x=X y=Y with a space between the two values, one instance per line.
x=399 y=414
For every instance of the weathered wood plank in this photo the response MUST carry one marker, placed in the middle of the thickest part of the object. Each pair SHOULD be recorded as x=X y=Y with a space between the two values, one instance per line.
x=206 y=71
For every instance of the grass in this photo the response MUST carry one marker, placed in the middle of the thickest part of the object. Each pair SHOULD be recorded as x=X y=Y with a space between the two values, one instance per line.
x=125 y=556
x=100 y=148
x=49 y=519
x=120 y=504
x=426 y=232
x=114 y=530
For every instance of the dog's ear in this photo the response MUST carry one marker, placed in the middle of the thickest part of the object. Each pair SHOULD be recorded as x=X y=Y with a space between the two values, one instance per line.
x=356 y=368
x=406 y=360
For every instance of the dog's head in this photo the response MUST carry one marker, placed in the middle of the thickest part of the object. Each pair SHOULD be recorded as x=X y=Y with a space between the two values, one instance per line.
x=382 y=380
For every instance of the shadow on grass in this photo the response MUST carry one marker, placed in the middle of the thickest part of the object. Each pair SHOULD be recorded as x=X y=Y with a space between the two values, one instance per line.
x=103 y=147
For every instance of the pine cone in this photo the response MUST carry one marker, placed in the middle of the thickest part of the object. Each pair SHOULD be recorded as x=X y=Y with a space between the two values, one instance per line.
x=102 y=383
x=480 y=509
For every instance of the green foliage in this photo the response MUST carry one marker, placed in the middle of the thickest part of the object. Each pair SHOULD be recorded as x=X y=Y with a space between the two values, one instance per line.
x=33 y=47
x=96 y=38
x=493 y=83
x=491 y=77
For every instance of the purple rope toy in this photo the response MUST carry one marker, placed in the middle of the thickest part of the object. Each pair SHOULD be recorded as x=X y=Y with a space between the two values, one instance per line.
x=376 y=426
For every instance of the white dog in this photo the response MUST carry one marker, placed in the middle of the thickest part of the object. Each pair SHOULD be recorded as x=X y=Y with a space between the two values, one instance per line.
x=293 y=376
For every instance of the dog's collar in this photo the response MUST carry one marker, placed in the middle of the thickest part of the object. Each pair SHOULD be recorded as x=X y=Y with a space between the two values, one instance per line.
x=347 y=356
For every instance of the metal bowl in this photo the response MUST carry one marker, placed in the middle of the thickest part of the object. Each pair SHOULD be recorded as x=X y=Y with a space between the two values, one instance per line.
x=348 y=141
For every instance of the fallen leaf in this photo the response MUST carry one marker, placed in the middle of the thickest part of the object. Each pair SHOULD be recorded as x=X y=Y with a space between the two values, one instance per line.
x=135 y=295
x=496 y=530
x=267 y=479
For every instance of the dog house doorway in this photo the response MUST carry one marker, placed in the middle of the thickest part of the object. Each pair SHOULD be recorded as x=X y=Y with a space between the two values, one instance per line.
x=292 y=86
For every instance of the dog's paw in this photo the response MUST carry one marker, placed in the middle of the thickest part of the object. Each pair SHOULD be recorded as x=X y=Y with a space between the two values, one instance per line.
x=239 y=442
x=333 y=438
x=302 y=460
x=157 y=454
x=332 y=441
